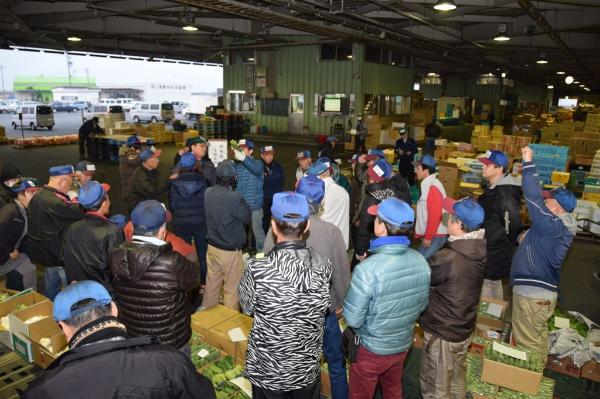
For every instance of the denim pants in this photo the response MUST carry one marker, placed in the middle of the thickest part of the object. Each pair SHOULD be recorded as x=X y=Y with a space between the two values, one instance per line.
x=257 y=229
x=54 y=279
x=20 y=273
x=332 y=348
x=201 y=247
x=436 y=244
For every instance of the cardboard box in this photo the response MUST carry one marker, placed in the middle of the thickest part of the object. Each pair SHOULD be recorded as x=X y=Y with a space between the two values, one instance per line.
x=419 y=337
x=451 y=186
x=325 y=384
x=448 y=171
x=18 y=320
x=591 y=371
x=560 y=177
x=30 y=348
x=488 y=321
x=511 y=377
x=241 y=347
x=564 y=366
x=204 y=321
x=218 y=336
x=28 y=298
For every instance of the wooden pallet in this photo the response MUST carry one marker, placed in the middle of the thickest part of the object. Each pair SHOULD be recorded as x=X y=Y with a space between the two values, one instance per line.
x=15 y=373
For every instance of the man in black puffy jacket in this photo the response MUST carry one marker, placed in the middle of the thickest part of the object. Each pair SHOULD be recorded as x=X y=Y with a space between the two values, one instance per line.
x=89 y=242
x=501 y=201
x=152 y=281
x=146 y=182
x=104 y=361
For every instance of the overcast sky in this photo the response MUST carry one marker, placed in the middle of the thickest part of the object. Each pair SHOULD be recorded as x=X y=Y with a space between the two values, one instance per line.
x=108 y=71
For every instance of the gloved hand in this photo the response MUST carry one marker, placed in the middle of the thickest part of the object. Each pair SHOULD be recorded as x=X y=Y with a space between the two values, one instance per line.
x=239 y=155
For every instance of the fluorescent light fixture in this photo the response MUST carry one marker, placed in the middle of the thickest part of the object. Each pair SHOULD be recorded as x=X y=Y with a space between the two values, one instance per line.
x=576 y=82
x=502 y=35
x=189 y=28
x=349 y=56
x=74 y=39
x=550 y=87
x=416 y=86
x=560 y=72
x=237 y=91
x=569 y=80
x=542 y=59
x=582 y=86
x=444 y=5
x=432 y=74
x=503 y=74
x=251 y=59
x=586 y=89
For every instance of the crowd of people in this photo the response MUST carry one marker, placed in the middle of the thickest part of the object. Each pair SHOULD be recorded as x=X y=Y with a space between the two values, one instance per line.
x=124 y=287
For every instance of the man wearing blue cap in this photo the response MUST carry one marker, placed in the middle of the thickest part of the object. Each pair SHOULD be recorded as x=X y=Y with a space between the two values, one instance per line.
x=147 y=182
x=16 y=266
x=250 y=184
x=198 y=146
x=327 y=148
x=273 y=181
x=87 y=131
x=105 y=361
x=90 y=241
x=304 y=159
x=50 y=213
x=336 y=203
x=457 y=273
x=287 y=292
x=429 y=228
x=152 y=282
x=501 y=201
x=535 y=269
x=387 y=294
x=85 y=172
x=327 y=240
x=129 y=161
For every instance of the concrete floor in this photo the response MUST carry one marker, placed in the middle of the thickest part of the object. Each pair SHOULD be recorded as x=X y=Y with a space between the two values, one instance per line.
x=579 y=289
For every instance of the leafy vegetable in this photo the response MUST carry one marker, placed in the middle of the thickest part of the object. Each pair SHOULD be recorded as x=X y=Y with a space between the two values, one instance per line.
x=533 y=362
x=234 y=145
x=581 y=328
x=483 y=307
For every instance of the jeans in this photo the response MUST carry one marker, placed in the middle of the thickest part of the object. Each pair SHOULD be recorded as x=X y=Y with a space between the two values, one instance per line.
x=332 y=348
x=54 y=279
x=436 y=244
x=257 y=229
x=201 y=247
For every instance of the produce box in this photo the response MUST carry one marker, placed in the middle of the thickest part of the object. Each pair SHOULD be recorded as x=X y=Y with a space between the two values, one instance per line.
x=22 y=320
x=204 y=320
x=492 y=312
x=5 y=293
x=203 y=354
x=18 y=301
x=561 y=319
x=45 y=342
x=223 y=335
x=512 y=367
x=591 y=371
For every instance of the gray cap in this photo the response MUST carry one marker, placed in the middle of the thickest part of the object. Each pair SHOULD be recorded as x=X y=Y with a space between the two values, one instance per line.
x=226 y=169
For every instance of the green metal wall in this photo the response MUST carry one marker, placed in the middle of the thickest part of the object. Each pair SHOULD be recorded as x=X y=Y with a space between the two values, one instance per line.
x=298 y=70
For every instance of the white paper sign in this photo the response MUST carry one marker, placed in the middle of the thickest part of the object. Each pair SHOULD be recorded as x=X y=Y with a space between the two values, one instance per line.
x=243 y=384
x=561 y=322
x=236 y=335
x=494 y=310
x=217 y=150
x=509 y=351
x=203 y=353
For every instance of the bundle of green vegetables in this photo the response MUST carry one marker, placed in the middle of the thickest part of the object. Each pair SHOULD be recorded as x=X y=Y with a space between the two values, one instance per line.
x=203 y=354
x=581 y=328
x=483 y=307
x=222 y=371
x=4 y=296
x=533 y=362
x=234 y=145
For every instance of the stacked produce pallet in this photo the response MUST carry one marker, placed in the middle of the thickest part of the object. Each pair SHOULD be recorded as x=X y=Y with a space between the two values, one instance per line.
x=548 y=158
x=211 y=127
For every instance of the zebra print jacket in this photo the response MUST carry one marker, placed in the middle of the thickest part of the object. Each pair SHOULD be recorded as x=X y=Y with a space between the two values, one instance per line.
x=287 y=292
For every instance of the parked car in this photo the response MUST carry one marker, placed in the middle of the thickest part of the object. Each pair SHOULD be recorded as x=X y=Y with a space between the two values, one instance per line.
x=80 y=105
x=59 y=106
x=34 y=116
x=152 y=112
x=4 y=109
x=116 y=111
x=11 y=105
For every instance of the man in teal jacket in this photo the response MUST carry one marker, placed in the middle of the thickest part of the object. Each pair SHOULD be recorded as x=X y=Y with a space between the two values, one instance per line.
x=388 y=292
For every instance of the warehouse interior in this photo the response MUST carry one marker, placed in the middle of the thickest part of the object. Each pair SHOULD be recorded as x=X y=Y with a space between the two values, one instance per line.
x=495 y=74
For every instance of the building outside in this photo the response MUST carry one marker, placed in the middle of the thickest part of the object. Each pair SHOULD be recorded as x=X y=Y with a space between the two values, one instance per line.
x=73 y=93
x=39 y=88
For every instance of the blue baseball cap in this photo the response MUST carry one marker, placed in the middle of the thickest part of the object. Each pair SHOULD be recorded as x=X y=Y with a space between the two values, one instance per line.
x=85 y=166
x=119 y=220
x=381 y=170
x=494 y=157
x=187 y=160
x=133 y=140
x=246 y=143
x=25 y=185
x=303 y=154
x=374 y=153
x=63 y=170
x=149 y=215
x=354 y=158
x=267 y=148
x=76 y=292
x=395 y=212
x=427 y=160
x=290 y=207
x=195 y=140
x=467 y=210
x=317 y=169
x=148 y=153
x=312 y=188
x=225 y=168
x=92 y=193
x=331 y=138
x=565 y=198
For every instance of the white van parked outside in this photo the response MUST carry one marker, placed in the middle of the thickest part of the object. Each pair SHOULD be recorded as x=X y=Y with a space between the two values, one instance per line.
x=152 y=112
x=34 y=116
x=115 y=111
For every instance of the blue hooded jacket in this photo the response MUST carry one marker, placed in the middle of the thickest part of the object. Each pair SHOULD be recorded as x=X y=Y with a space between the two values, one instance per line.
x=186 y=201
x=250 y=181
x=388 y=292
x=539 y=258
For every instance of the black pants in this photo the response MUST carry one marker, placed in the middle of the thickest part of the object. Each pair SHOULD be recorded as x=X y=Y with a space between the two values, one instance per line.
x=360 y=145
x=266 y=222
x=86 y=142
x=310 y=392
x=407 y=170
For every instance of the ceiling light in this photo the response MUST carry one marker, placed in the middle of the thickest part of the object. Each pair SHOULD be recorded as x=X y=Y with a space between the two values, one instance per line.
x=432 y=74
x=569 y=80
x=502 y=35
x=560 y=73
x=542 y=59
x=189 y=28
x=582 y=86
x=550 y=87
x=444 y=5
x=74 y=39
x=251 y=59
x=416 y=86
x=586 y=89
x=349 y=56
x=503 y=74
x=576 y=82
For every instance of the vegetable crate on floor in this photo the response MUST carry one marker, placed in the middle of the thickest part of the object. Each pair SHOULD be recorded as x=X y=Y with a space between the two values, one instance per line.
x=15 y=374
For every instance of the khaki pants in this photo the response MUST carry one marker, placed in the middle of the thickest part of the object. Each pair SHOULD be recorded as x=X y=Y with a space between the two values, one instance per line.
x=224 y=270
x=444 y=368
x=492 y=289
x=529 y=322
